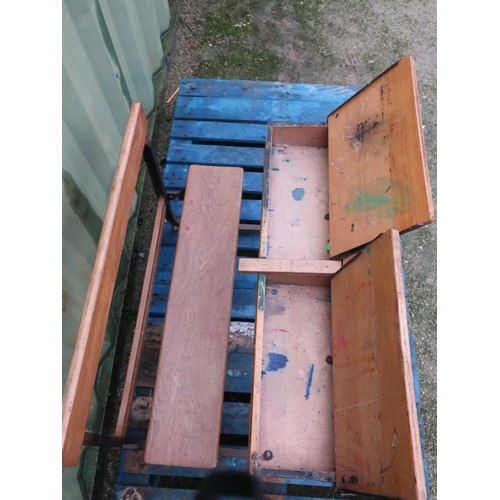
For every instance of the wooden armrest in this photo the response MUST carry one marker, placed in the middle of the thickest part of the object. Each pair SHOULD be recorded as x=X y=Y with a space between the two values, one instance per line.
x=84 y=363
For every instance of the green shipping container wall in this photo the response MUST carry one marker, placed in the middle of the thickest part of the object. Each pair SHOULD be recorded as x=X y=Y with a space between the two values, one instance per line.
x=112 y=56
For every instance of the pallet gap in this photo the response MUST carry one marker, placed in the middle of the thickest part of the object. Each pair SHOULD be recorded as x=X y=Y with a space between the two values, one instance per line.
x=237 y=397
x=237 y=144
x=233 y=440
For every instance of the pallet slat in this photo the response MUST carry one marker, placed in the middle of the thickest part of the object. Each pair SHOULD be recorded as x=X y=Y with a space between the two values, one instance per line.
x=260 y=110
x=223 y=131
x=250 y=89
x=216 y=155
x=175 y=177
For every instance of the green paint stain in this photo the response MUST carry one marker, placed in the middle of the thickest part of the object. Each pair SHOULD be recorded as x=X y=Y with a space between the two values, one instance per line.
x=277 y=169
x=368 y=251
x=262 y=292
x=366 y=202
x=286 y=160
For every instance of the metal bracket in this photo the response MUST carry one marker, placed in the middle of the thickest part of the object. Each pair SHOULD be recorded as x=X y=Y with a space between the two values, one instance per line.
x=153 y=167
x=115 y=443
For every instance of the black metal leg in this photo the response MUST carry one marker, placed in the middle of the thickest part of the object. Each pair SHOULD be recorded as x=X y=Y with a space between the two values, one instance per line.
x=152 y=165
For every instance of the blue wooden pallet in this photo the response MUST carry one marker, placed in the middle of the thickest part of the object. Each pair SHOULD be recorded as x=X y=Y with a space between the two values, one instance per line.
x=221 y=122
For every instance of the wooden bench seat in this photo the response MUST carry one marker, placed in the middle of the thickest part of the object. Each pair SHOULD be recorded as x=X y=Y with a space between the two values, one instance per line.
x=197 y=329
x=188 y=395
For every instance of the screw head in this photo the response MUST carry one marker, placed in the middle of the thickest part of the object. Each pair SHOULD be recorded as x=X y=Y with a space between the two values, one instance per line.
x=268 y=455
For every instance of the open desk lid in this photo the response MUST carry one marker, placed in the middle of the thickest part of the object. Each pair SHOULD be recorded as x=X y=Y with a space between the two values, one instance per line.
x=377 y=166
x=377 y=439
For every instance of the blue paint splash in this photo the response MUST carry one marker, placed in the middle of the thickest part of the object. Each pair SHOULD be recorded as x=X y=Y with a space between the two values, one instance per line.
x=309 y=382
x=298 y=194
x=275 y=362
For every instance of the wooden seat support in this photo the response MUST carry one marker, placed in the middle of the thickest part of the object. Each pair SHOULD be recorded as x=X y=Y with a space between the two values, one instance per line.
x=84 y=363
x=186 y=413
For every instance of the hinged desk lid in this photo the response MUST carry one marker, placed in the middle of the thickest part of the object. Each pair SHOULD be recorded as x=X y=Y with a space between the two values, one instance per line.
x=377 y=440
x=377 y=165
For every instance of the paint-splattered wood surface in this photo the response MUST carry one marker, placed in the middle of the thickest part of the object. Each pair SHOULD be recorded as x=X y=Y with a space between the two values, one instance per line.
x=296 y=410
x=295 y=215
x=377 y=163
x=186 y=414
x=377 y=437
x=292 y=414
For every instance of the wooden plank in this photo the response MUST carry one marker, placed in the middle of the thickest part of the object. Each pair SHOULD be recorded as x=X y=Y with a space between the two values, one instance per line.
x=250 y=210
x=238 y=369
x=243 y=307
x=234 y=416
x=255 y=110
x=187 y=405
x=175 y=177
x=239 y=361
x=299 y=272
x=83 y=368
x=377 y=441
x=219 y=131
x=216 y=155
x=377 y=162
x=251 y=89
x=243 y=281
x=141 y=323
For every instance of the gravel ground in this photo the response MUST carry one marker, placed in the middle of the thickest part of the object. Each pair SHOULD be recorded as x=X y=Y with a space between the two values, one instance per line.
x=317 y=41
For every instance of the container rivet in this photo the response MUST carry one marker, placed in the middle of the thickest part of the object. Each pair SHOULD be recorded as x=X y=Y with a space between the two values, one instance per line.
x=268 y=455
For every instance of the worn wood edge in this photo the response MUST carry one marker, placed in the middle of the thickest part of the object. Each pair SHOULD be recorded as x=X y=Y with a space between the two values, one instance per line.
x=369 y=84
x=421 y=139
x=254 y=420
x=254 y=424
x=420 y=484
x=264 y=224
x=85 y=359
x=142 y=320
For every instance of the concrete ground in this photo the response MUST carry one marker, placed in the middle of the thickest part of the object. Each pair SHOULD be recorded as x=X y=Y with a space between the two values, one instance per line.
x=334 y=43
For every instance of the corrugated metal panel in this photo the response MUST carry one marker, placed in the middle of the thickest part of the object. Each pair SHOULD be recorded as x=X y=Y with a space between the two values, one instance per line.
x=111 y=50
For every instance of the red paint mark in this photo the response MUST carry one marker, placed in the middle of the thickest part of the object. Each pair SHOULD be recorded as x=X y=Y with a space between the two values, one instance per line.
x=281 y=330
x=339 y=341
x=347 y=424
x=358 y=461
x=360 y=287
